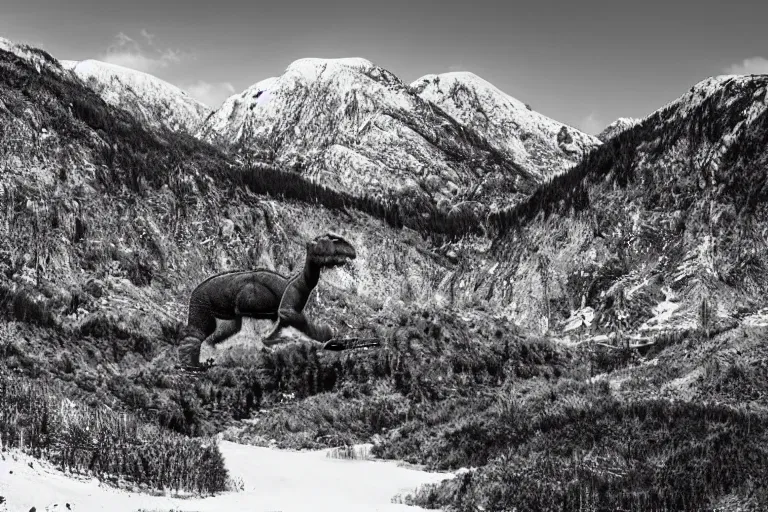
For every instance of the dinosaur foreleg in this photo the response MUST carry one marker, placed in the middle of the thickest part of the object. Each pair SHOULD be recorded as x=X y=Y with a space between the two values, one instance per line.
x=289 y=318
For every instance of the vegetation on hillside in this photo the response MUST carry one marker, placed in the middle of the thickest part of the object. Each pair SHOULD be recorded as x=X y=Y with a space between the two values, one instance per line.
x=621 y=160
x=525 y=415
x=37 y=418
x=589 y=451
x=131 y=159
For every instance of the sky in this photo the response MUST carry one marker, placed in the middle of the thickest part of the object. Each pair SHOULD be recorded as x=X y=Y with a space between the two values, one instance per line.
x=583 y=63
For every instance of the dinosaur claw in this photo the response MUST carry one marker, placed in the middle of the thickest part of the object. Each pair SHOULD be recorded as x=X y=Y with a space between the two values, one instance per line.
x=335 y=345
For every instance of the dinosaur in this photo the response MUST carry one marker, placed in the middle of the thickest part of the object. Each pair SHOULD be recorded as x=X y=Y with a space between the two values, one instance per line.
x=262 y=294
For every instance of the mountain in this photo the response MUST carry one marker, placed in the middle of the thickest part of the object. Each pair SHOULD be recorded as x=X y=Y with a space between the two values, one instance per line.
x=355 y=126
x=616 y=127
x=540 y=145
x=107 y=224
x=666 y=214
x=152 y=100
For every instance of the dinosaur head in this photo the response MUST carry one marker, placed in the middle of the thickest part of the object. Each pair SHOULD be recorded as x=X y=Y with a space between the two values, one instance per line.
x=330 y=250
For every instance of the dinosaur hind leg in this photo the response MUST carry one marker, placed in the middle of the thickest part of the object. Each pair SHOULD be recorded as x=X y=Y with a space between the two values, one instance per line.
x=200 y=325
x=224 y=329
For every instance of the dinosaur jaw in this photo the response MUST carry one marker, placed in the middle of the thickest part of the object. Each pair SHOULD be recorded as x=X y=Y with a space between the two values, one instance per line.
x=334 y=260
x=337 y=254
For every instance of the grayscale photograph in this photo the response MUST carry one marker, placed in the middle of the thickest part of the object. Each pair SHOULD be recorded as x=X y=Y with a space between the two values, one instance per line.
x=357 y=256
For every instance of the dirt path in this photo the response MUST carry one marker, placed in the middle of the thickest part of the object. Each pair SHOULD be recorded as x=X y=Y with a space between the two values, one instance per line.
x=273 y=480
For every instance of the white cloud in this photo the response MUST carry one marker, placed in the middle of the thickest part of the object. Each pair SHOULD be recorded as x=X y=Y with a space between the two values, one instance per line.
x=149 y=37
x=171 y=56
x=130 y=53
x=592 y=124
x=751 y=66
x=211 y=94
x=123 y=40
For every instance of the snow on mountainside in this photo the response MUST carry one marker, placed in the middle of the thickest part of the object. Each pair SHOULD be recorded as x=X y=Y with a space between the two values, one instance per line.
x=616 y=127
x=353 y=125
x=541 y=145
x=38 y=58
x=151 y=99
x=701 y=91
x=685 y=104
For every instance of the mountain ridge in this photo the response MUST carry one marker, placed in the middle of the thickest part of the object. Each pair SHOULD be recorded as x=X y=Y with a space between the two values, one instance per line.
x=154 y=101
x=542 y=145
x=438 y=157
x=667 y=208
x=618 y=126
x=354 y=105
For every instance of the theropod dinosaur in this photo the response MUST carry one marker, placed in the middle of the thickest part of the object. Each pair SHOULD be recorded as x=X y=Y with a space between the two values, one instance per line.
x=260 y=293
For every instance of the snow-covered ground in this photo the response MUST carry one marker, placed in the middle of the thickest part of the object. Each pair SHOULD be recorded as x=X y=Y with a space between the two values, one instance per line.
x=759 y=319
x=272 y=480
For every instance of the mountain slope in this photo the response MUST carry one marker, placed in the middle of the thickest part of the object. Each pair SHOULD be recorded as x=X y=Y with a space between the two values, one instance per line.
x=542 y=146
x=152 y=100
x=666 y=214
x=357 y=127
x=36 y=57
x=106 y=226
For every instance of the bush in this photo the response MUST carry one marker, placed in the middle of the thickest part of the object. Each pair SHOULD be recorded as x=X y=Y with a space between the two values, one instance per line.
x=24 y=306
x=641 y=455
x=37 y=418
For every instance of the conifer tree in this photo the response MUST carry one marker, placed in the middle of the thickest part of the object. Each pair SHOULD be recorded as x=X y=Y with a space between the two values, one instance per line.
x=705 y=317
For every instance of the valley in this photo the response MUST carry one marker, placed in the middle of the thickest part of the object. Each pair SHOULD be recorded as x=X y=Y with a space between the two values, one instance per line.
x=482 y=228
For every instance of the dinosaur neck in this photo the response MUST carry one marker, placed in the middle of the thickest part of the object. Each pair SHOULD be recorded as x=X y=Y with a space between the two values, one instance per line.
x=310 y=275
x=296 y=294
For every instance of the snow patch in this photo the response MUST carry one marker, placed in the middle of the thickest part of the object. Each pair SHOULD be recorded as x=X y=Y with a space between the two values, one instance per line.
x=271 y=480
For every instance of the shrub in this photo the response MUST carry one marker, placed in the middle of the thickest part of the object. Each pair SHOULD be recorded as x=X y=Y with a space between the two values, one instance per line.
x=641 y=455
x=36 y=417
x=24 y=306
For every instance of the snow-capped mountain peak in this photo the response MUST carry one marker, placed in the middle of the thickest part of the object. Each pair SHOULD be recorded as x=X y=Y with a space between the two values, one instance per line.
x=354 y=125
x=312 y=67
x=616 y=127
x=151 y=99
x=541 y=145
x=697 y=94
x=469 y=79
